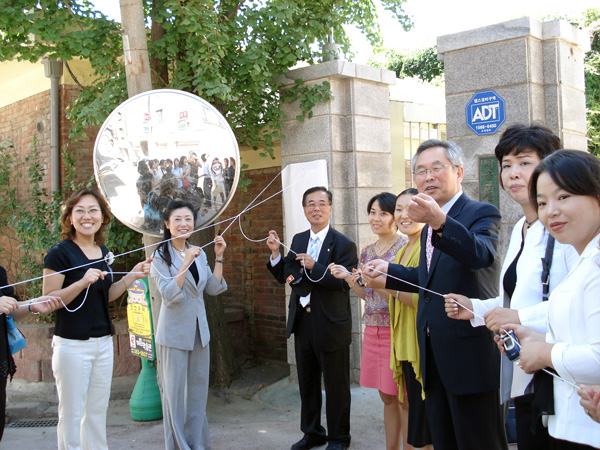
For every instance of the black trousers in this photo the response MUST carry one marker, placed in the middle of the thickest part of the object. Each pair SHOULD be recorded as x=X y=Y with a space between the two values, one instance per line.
x=335 y=369
x=418 y=424
x=2 y=405
x=462 y=422
x=558 y=444
x=531 y=433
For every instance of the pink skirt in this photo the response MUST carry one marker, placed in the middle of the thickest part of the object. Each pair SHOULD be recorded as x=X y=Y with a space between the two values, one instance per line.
x=375 y=369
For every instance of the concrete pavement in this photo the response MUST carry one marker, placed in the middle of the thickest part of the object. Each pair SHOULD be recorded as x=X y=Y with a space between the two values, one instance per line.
x=260 y=411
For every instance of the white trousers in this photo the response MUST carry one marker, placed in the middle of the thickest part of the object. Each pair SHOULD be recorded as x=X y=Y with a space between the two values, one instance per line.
x=83 y=374
x=184 y=381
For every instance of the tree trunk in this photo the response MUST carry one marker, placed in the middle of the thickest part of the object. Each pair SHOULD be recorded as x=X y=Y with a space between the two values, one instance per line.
x=223 y=367
x=158 y=67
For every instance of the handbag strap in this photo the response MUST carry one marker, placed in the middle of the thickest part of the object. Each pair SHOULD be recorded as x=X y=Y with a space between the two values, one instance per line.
x=546 y=264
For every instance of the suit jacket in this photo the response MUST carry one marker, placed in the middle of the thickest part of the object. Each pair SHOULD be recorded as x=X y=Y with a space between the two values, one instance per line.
x=329 y=297
x=179 y=310
x=463 y=262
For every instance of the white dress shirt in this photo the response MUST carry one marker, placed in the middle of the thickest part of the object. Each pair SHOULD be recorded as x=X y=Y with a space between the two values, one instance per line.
x=321 y=237
x=574 y=328
x=527 y=296
x=450 y=203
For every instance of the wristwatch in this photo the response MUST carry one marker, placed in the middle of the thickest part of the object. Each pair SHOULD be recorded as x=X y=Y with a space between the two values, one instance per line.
x=440 y=229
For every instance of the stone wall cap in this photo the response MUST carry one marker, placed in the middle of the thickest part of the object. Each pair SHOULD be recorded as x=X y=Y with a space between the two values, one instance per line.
x=561 y=29
x=338 y=69
x=522 y=27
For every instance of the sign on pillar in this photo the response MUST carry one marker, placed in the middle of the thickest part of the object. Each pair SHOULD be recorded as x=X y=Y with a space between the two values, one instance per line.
x=140 y=320
x=485 y=112
x=145 y=403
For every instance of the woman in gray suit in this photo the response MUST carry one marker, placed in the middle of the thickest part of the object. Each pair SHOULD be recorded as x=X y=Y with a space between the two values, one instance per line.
x=182 y=275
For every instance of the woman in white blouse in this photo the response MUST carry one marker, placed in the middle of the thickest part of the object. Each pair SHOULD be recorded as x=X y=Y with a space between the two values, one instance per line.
x=566 y=189
x=519 y=151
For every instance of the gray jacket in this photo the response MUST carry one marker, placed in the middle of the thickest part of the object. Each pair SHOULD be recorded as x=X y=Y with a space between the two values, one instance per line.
x=182 y=310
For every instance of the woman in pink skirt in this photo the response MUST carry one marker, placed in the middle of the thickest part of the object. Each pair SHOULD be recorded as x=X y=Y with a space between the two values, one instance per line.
x=375 y=371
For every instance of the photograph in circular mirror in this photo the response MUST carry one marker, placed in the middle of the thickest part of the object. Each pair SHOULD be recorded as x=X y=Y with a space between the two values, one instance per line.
x=165 y=145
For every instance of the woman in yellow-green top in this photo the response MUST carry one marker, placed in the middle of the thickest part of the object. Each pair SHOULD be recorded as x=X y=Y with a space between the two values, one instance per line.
x=404 y=360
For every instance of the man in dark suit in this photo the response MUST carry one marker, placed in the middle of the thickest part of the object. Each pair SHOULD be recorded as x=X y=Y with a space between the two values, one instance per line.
x=319 y=317
x=460 y=365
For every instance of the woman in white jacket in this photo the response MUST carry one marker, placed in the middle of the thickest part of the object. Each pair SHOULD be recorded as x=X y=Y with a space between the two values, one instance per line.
x=566 y=189
x=182 y=275
x=519 y=151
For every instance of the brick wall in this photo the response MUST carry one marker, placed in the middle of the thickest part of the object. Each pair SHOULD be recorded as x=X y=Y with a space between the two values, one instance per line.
x=251 y=286
x=20 y=122
x=34 y=362
x=83 y=148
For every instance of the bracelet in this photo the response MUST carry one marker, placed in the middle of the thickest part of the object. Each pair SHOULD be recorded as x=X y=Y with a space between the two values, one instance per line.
x=29 y=306
x=220 y=260
x=123 y=280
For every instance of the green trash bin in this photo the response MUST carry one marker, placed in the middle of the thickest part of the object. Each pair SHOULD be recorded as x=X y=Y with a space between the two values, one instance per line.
x=145 y=403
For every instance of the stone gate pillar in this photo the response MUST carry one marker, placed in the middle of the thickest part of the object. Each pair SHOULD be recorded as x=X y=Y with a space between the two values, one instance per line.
x=537 y=68
x=351 y=132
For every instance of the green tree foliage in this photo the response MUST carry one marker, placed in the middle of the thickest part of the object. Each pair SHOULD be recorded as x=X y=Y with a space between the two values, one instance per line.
x=228 y=52
x=36 y=222
x=422 y=64
x=590 y=21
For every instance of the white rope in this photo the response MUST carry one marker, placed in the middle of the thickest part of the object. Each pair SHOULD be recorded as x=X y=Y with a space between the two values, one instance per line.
x=232 y=219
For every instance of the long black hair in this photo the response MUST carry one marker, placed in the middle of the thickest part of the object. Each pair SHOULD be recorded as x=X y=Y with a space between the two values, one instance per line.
x=163 y=249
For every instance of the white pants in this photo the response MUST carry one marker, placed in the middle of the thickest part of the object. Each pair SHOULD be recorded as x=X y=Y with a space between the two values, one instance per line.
x=83 y=373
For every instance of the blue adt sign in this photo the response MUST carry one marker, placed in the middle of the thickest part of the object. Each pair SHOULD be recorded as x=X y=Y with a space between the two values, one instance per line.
x=485 y=112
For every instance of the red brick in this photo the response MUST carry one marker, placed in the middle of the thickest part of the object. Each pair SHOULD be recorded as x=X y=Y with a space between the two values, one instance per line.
x=37 y=349
x=126 y=365
x=46 y=371
x=28 y=370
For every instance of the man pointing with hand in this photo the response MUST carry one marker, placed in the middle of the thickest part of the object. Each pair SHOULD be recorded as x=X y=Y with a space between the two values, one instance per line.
x=460 y=364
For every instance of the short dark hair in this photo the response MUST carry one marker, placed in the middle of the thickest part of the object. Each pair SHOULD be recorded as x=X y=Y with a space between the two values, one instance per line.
x=574 y=171
x=408 y=191
x=317 y=189
x=521 y=138
x=68 y=230
x=386 y=200
x=142 y=167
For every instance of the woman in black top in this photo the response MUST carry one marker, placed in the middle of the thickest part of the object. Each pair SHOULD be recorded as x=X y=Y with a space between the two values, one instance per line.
x=82 y=359
x=18 y=310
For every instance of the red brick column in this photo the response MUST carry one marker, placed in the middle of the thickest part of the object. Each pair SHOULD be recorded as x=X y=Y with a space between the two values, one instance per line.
x=34 y=362
x=251 y=286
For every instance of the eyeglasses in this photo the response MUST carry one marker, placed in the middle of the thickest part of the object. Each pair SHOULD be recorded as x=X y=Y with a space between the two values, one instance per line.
x=82 y=212
x=435 y=170
x=320 y=205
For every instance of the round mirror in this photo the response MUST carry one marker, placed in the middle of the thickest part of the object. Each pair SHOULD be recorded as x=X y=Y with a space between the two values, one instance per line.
x=165 y=145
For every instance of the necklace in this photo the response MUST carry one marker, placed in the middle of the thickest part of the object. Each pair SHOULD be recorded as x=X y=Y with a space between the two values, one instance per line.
x=380 y=251
x=530 y=223
x=181 y=252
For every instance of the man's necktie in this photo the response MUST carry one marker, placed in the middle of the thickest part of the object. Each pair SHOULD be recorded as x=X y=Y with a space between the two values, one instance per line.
x=312 y=251
x=429 y=247
x=313 y=247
